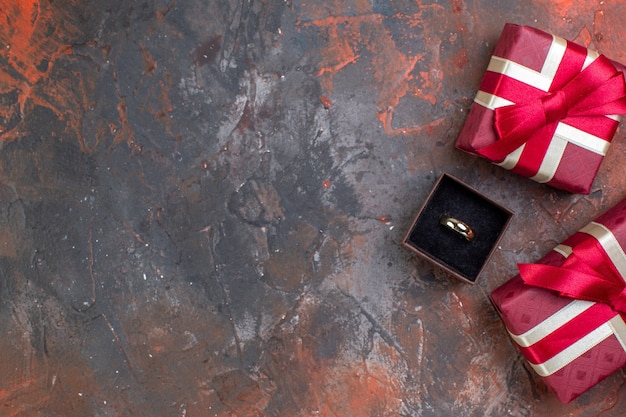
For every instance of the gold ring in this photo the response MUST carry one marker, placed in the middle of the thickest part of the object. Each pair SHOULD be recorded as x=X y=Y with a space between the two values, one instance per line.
x=458 y=226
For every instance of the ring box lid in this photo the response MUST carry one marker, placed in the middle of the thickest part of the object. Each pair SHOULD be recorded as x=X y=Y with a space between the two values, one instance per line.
x=447 y=249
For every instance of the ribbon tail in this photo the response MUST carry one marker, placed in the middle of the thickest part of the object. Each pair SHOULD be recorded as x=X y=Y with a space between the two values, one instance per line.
x=571 y=283
x=514 y=124
x=617 y=107
x=609 y=98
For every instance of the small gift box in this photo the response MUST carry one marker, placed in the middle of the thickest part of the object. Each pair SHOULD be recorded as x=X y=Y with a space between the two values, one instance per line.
x=546 y=109
x=566 y=313
x=457 y=228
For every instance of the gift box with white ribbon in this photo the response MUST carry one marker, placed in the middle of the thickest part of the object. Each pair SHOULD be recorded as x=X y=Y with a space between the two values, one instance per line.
x=566 y=312
x=547 y=109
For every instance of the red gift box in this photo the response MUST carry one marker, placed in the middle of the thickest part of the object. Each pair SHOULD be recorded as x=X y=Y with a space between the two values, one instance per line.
x=546 y=109
x=566 y=312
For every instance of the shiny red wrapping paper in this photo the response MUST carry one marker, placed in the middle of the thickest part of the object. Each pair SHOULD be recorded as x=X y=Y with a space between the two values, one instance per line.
x=566 y=312
x=554 y=135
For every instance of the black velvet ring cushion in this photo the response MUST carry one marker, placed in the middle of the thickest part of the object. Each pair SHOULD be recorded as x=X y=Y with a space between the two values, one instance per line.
x=447 y=248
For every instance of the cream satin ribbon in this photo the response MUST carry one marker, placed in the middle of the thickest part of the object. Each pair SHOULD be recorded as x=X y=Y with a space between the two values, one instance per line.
x=615 y=326
x=542 y=80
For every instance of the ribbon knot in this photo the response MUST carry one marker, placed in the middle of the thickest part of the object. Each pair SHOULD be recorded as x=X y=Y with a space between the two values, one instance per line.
x=598 y=90
x=554 y=106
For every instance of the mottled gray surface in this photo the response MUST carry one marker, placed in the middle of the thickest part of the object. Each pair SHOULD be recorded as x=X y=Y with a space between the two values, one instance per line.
x=202 y=205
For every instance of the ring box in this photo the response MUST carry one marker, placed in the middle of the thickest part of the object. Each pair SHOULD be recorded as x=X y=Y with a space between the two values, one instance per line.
x=448 y=249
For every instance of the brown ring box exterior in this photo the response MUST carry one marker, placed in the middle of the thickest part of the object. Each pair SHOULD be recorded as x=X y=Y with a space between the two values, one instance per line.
x=446 y=249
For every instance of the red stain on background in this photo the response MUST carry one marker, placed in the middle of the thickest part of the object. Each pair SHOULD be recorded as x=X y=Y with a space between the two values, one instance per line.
x=41 y=69
x=349 y=34
x=339 y=387
x=461 y=59
x=149 y=64
x=562 y=8
x=326 y=102
x=457 y=6
x=36 y=381
x=24 y=47
x=31 y=44
x=125 y=132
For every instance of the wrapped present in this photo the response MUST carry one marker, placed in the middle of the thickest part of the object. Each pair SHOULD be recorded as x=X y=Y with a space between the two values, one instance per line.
x=546 y=109
x=566 y=313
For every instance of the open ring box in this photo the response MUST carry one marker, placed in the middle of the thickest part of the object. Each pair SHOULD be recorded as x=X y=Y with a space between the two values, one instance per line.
x=447 y=249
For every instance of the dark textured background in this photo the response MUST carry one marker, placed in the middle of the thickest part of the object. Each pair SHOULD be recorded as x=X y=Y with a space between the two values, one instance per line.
x=202 y=203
